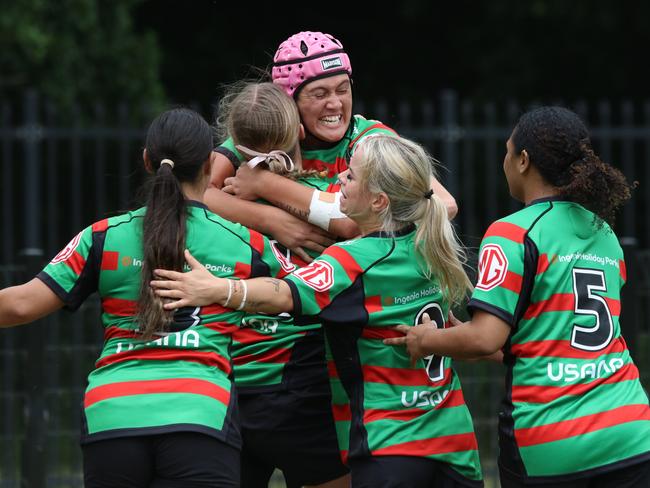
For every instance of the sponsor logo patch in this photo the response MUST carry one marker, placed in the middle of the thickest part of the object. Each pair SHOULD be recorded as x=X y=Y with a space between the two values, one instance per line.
x=67 y=251
x=331 y=63
x=492 y=267
x=319 y=275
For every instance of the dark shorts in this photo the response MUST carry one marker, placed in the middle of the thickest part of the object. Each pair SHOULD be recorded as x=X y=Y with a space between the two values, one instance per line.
x=405 y=472
x=174 y=460
x=634 y=476
x=292 y=431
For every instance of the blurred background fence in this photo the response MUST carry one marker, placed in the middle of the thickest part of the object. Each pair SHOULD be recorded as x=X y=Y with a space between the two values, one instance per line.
x=59 y=175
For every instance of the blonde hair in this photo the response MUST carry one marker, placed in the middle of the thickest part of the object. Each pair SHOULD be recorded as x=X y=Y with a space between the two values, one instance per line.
x=260 y=116
x=403 y=170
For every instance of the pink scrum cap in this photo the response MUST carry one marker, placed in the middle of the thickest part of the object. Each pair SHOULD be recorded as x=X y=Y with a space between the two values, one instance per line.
x=307 y=56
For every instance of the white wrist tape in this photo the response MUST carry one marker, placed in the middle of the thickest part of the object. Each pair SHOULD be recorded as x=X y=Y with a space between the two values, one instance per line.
x=324 y=206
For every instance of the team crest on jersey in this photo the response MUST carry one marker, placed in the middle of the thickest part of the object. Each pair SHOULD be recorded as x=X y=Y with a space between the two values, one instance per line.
x=283 y=259
x=67 y=251
x=319 y=275
x=492 y=267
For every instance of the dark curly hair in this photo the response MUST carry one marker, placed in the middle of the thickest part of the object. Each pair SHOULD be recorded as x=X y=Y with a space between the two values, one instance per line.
x=558 y=145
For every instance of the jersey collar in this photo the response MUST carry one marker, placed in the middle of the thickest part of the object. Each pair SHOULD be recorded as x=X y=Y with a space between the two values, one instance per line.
x=407 y=229
x=196 y=203
x=554 y=198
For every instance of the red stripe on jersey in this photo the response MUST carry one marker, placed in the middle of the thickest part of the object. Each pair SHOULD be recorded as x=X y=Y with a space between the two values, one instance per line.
x=331 y=369
x=563 y=349
x=430 y=447
x=401 y=376
x=222 y=327
x=214 y=309
x=614 y=306
x=332 y=169
x=109 y=260
x=565 y=302
x=380 y=333
x=276 y=356
x=207 y=358
x=506 y=230
x=117 y=333
x=453 y=399
x=198 y=387
x=242 y=270
x=333 y=188
x=512 y=282
x=546 y=394
x=377 y=125
x=100 y=226
x=344 y=457
x=322 y=298
x=581 y=425
x=560 y=302
x=118 y=306
x=257 y=241
x=623 y=269
x=250 y=336
x=542 y=263
x=76 y=262
x=373 y=304
x=341 y=413
x=346 y=260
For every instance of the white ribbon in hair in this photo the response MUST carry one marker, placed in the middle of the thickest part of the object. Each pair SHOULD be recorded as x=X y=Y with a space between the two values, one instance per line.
x=260 y=157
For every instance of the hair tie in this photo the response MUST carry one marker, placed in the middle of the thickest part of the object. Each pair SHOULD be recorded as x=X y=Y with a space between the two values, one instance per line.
x=260 y=157
x=167 y=161
x=428 y=194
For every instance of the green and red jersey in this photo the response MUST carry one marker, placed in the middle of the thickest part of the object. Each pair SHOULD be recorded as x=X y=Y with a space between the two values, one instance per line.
x=382 y=405
x=270 y=352
x=180 y=381
x=574 y=404
x=332 y=160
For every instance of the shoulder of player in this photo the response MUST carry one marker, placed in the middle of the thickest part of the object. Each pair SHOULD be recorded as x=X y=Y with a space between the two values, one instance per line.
x=516 y=226
x=364 y=252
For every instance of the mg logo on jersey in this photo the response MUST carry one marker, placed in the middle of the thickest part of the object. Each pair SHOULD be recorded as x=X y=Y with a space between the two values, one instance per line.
x=283 y=259
x=492 y=267
x=67 y=251
x=319 y=275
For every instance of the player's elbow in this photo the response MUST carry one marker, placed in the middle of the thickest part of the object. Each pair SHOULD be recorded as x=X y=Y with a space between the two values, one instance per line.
x=451 y=206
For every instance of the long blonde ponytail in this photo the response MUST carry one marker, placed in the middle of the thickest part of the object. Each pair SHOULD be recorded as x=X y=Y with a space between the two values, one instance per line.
x=403 y=170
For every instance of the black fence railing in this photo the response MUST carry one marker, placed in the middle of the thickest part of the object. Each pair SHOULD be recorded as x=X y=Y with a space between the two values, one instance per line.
x=58 y=176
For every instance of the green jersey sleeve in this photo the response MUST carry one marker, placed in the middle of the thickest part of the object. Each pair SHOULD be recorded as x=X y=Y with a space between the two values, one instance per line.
x=316 y=286
x=73 y=273
x=227 y=148
x=503 y=258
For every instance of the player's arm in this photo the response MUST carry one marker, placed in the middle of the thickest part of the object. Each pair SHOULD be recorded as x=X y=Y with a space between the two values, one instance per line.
x=301 y=201
x=483 y=336
x=222 y=168
x=27 y=302
x=446 y=197
x=290 y=231
x=199 y=287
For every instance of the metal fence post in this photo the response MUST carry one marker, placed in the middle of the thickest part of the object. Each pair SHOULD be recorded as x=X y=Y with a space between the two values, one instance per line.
x=451 y=136
x=33 y=452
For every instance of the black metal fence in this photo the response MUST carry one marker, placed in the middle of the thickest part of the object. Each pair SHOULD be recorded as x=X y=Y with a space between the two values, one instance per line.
x=59 y=176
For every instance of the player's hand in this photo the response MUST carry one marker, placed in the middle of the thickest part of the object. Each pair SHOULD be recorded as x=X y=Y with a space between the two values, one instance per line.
x=413 y=337
x=296 y=235
x=245 y=183
x=197 y=287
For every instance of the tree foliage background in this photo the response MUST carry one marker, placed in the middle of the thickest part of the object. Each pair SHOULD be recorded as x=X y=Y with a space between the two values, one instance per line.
x=171 y=51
